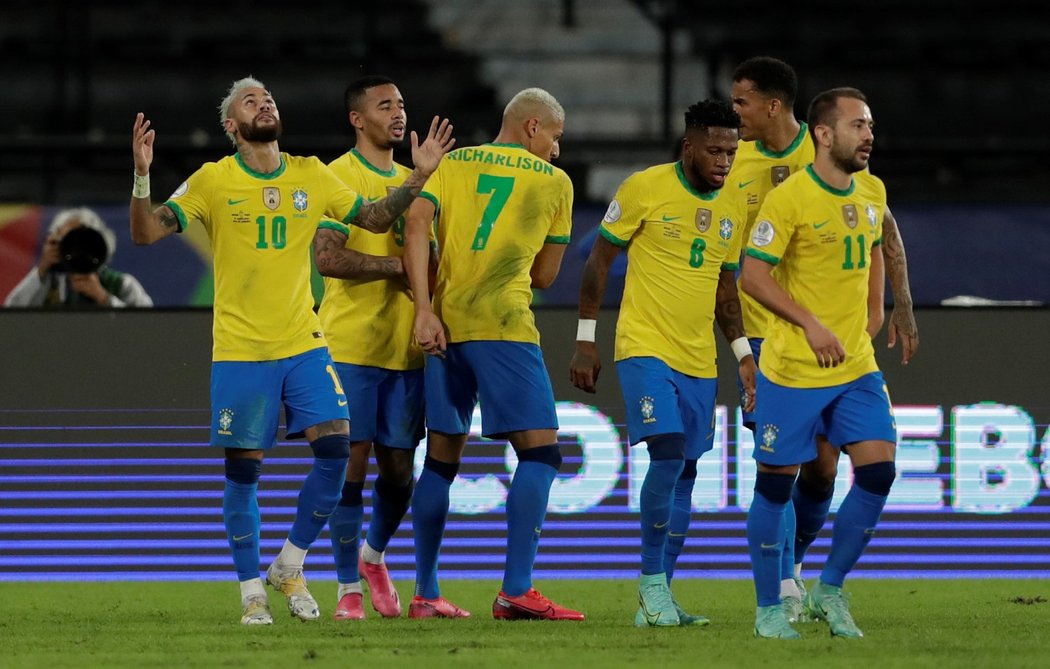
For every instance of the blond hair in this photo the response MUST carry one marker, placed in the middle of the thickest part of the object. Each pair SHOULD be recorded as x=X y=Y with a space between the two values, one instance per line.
x=231 y=95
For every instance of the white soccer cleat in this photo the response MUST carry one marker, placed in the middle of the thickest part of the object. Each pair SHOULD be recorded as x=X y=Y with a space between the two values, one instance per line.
x=292 y=584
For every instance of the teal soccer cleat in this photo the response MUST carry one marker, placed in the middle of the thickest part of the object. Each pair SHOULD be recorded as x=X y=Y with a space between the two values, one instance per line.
x=657 y=605
x=827 y=602
x=771 y=622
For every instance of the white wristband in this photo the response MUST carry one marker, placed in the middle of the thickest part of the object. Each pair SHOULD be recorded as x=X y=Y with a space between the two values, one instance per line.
x=141 y=187
x=741 y=348
x=585 y=330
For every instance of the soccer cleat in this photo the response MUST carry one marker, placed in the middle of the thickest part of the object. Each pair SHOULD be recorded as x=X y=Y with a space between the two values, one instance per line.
x=420 y=607
x=380 y=588
x=795 y=607
x=349 y=607
x=771 y=622
x=530 y=606
x=656 y=602
x=292 y=584
x=827 y=602
x=256 y=611
x=688 y=619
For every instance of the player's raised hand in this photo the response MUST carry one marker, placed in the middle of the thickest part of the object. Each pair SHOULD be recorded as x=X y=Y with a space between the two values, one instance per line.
x=430 y=333
x=902 y=324
x=142 y=137
x=439 y=141
x=825 y=345
x=585 y=366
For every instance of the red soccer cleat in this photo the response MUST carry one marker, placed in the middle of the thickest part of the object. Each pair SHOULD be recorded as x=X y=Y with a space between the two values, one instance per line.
x=530 y=606
x=380 y=588
x=349 y=607
x=435 y=608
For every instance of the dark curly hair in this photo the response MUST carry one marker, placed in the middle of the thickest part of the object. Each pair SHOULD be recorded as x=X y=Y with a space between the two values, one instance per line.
x=711 y=114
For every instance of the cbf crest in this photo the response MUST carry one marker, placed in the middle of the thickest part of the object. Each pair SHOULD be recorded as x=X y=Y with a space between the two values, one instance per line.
x=272 y=197
x=725 y=228
x=849 y=215
x=648 y=407
x=703 y=219
x=769 y=437
x=300 y=200
x=225 y=421
x=872 y=214
x=778 y=173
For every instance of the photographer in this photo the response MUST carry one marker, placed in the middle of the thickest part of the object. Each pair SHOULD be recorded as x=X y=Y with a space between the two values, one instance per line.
x=72 y=270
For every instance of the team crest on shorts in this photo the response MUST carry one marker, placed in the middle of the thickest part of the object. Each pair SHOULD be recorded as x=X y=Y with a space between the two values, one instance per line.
x=703 y=219
x=725 y=228
x=225 y=421
x=648 y=407
x=272 y=197
x=299 y=199
x=769 y=437
x=849 y=215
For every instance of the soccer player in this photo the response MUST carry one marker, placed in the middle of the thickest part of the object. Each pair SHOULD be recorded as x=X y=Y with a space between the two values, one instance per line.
x=682 y=231
x=367 y=316
x=821 y=227
x=774 y=144
x=503 y=218
x=261 y=209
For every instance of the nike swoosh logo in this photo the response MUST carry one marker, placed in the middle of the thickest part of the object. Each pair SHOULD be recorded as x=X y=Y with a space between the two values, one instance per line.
x=662 y=525
x=322 y=516
x=348 y=540
x=236 y=538
x=668 y=219
x=342 y=403
x=770 y=545
x=745 y=184
x=232 y=202
x=818 y=226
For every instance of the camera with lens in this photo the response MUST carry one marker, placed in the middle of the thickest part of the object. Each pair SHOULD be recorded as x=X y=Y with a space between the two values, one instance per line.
x=82 y=250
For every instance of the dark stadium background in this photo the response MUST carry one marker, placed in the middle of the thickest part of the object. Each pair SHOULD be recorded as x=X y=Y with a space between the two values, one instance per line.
x=105 y=470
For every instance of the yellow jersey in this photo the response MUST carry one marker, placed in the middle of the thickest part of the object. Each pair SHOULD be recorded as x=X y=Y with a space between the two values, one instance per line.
x=678 y=240
x=261 y=228
x=369 y=322
x=820 y=240
x=756 y=171
x=497 y=205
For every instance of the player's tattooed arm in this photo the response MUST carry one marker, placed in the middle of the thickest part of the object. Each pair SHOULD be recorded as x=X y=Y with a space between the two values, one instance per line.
x=902 y=319
x=727 y=307
x=335 y=260
x=378 y=216
x=148 y=226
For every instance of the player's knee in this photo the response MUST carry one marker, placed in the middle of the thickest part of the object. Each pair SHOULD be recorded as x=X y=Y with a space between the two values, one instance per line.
x=391 y=491
x=689 y=471
x=774 y=487
x=446 y=470
x=547 y=455
x=875 y=478
x=817 y=489
x=331 y=447
x=244 y=471
x=666 y=446
x=396 y=465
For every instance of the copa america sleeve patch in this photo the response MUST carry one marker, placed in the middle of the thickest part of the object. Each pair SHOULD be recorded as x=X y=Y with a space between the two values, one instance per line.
x=180 y=191
x=613 y=213
x=763 y=233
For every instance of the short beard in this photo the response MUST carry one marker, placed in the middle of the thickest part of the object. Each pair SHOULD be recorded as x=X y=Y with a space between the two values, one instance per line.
x=848 y=163
x=250 y=132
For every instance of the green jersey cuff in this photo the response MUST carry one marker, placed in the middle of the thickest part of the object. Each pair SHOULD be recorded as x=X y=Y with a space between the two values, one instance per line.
x=329 y=224
x=179 y=214
x=358 y=203
x=765 y=257
x=731 y=266
x=877 y=242
x=611 y=238
x=556 y=239
x=432 y=198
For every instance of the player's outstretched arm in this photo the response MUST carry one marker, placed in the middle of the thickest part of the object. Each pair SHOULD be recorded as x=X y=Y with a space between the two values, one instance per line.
x=378 y=216
x=335 y=260
x=147 y=224
x=902 y=318
x=730 y=320
x=757 y=281
x=429 y=330
x=586 y=362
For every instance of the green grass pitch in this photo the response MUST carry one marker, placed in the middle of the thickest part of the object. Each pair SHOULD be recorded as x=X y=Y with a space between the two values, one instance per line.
x=908 y=623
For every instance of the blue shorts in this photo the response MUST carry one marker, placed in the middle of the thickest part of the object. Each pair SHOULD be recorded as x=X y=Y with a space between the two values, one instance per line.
x=789 y=419
x=386 y=405
x=509 y=378
x=748 y=417
x=246 y=398
x=660 y=400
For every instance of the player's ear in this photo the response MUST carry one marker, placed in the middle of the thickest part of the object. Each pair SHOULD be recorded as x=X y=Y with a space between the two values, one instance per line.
x=355 y=120
x=775 y=105
x=532 y=126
